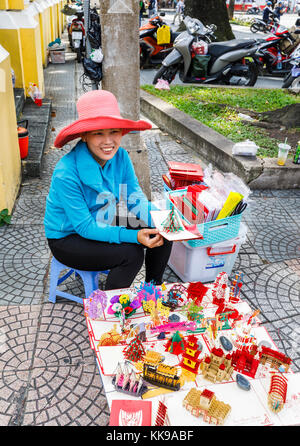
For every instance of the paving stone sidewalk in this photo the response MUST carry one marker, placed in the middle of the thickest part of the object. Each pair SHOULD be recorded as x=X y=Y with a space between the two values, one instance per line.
x=48 y=374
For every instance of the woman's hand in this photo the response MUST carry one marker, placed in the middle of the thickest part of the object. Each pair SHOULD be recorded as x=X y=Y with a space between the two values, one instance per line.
x=144 y=237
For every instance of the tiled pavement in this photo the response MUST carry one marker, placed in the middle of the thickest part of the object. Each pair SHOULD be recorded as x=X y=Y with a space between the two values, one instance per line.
x=48 y=374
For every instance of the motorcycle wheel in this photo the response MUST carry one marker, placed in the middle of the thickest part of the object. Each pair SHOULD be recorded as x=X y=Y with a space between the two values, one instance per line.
x=295 y=83
x=254 y=28
x=78 y=55
x=166 y=73
x=251 y=78
x=291 y=82
x=143 y=58
x=253 y=74
x=287 y=81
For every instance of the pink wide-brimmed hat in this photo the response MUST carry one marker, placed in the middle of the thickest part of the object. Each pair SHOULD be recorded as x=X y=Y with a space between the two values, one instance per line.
x=97 y=109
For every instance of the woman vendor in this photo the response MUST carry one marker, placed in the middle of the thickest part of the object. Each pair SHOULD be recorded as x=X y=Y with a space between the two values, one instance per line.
x=81 y=221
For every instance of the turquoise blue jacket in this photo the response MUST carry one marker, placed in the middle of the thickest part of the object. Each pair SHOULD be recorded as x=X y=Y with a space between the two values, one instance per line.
x=83 y=197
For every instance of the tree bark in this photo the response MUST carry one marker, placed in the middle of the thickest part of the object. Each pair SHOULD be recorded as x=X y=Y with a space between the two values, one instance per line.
x=231 y=9
x=289 y=116
x=214 y=11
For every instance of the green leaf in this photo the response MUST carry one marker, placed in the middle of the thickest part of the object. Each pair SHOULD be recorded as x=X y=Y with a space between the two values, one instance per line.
x=4 y=212
x=4 y=217
x=7 y=219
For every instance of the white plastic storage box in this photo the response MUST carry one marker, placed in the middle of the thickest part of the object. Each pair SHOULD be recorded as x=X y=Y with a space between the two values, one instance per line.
x=57 y=56
x=206 y=262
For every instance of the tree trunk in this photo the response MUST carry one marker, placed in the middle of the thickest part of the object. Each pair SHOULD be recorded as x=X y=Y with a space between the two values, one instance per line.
x=214 y=11
x=289 y=116
x=231 y=9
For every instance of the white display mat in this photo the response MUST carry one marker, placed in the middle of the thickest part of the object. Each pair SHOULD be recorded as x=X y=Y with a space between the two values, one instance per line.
x=248 y=408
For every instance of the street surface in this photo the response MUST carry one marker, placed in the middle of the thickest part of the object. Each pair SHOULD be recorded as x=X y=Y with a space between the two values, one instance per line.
x=240 y=32
x=48 y=373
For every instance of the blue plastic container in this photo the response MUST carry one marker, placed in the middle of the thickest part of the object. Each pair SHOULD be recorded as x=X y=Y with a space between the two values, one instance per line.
x=213 y=231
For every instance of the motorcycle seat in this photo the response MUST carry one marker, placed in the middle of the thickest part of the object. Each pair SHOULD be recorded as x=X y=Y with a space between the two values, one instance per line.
x=174 y=35
x=219 y=48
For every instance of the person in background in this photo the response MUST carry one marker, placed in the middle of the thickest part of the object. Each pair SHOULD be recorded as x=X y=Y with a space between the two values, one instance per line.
x=255 y=7
x=142 y=11
x=179 y=11
x=151 y=7
x=267 y=12
x=279 y=10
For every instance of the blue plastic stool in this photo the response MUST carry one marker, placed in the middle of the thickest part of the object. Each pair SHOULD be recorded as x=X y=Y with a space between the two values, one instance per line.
x=89 y=278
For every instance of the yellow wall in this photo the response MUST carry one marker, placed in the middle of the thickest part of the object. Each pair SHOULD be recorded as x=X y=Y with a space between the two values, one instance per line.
x=43 y=38
x=10 y=39
x=52 y=22
x=15 y=4
x=3 y=4
x=10 y=162
x=38 y=12
x=32 y=57
x=54 y=8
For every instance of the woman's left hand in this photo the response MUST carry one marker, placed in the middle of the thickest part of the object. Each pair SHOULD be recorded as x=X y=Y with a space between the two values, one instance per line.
x=144 y=237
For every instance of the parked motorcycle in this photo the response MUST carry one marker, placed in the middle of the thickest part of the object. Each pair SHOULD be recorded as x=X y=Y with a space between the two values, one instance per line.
x=260 y=25
x=150 y=52
x=227 y=63
x=292 y=80
x=254 y=10
x=272 y=52
x=76 y=34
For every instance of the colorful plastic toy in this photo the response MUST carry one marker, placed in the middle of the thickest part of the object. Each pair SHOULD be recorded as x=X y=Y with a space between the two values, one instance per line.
x=176 y=344
x=162 y=375
x=112 y=337
x=146 y=292
x=196 y=292
x=217 y=366
x=277 y=392
x=206 y=404
x=190 y=361
x=176 y=297
x=127 y=382
x=172 y=223
x=135 y=350
x=96 y=304
x=123 y=304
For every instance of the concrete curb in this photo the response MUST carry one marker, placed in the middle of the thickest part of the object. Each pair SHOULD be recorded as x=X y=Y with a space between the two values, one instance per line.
x=215 y=148
x=39 y=120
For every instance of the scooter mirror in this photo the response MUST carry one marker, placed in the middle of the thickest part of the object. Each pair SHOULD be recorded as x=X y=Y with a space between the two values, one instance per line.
x=162 y=14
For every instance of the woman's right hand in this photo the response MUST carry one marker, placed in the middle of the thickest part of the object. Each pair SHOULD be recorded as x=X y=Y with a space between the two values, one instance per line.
x=151 y=242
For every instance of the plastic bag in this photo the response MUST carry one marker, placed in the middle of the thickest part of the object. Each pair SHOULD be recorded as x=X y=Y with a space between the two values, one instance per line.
x=222 y=184
x=200 y=47
x=92 y=69
x=199 y=65
x=163 y=35
x=35 y=94
x=162 y=84
x=96 y=55
x=94 y=35
x=245 y=148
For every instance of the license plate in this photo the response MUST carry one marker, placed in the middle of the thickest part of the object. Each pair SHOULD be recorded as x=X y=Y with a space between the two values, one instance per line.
x=77 y=35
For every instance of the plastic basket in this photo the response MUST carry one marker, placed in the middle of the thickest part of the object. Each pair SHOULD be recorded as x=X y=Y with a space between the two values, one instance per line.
x=57 y=56
x=215 y=231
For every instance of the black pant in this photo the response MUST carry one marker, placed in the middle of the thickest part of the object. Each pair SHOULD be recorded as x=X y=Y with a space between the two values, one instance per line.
x=124 y=260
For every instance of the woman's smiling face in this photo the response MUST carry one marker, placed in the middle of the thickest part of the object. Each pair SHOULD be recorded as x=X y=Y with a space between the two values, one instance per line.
x=103 y=143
